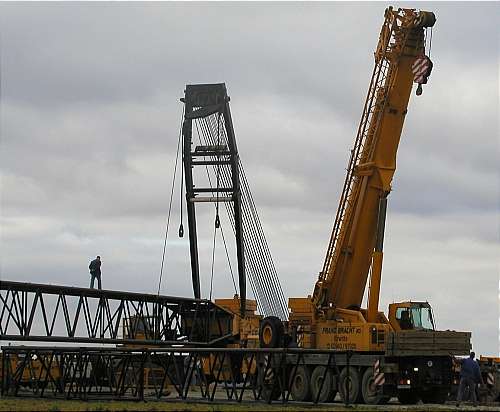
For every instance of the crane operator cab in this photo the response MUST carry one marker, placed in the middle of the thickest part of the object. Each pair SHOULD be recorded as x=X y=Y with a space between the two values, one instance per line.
x=411 y=316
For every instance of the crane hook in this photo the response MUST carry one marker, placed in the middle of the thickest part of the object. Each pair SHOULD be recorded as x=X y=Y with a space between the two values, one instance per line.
x=421 y=68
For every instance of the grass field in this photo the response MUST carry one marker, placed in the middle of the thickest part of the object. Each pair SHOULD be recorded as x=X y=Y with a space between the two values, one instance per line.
x=11 y=404
x=16 y=404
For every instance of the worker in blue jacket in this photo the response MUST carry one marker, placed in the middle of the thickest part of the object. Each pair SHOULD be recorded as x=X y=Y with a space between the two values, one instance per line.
x=95 y=272
x=470 y=375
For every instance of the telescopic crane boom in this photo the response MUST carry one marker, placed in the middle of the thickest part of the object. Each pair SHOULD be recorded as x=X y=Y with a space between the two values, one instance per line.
x=357 y=236
x=400 y=354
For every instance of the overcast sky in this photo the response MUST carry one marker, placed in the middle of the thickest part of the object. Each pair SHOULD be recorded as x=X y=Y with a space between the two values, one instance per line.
x=90 y=116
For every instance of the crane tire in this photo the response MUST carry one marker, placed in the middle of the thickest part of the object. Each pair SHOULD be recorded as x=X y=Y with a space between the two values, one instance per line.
x=271 y=332
x=266 y=382
x=300 y=388
x=329 y=389
x=354 y=382
x=370 y=394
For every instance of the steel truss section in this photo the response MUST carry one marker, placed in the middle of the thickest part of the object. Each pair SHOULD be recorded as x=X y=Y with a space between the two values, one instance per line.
x=37 y=312
x=187 y=374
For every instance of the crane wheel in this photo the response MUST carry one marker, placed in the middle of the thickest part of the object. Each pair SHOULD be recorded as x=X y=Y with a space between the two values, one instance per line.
x=350 y=385
x=271 y=332
x=329 y=388
x=300 y=389
x=269 y=388
x=371 y=395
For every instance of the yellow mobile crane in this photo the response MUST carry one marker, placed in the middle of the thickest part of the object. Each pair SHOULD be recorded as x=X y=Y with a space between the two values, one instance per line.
x=401 y=355
x=357 y=238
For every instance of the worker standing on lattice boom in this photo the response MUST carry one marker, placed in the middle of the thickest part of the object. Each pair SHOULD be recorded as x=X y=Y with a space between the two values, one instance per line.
x=95 y=272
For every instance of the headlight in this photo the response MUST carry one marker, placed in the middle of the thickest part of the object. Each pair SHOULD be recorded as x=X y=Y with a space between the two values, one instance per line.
x=415 y=369
x=429 y=364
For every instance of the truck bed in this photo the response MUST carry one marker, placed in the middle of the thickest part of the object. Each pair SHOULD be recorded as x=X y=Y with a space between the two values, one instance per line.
x=425 y=342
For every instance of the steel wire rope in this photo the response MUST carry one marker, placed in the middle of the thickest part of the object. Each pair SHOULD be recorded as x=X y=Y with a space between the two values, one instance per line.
x=265 y=246
x=430 y=42
x=227 y=178
x=255 y=285
x=217 y=220
x=258 y=269
x=230 y=212
x=213 y=263
x=276 y=304
x=263 y=268
x=208 y=140
x=425 y=38
x=170 y=203
x=221 y=229
x=262 y=245
x=181 y=228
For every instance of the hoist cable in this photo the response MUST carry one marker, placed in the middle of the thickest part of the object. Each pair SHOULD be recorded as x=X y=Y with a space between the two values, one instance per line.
x=264 y=254
x=218 y=173
x=260 y=267
x=425 y=38
x=256 y=260
x=228 y=260
x=181 y=229
x=221 y=229
x=213 y=264
x=252 y=263
x=270 y=282
x=430 y=43
x=208 y=140
x=170 y=203
x=263 y=241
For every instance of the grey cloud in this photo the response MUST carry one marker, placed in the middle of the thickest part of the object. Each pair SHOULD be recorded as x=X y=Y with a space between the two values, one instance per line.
x=306 y=45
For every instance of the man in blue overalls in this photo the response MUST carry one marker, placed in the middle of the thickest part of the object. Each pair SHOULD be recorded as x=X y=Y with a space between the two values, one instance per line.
x=95 y=272
x=470 y=375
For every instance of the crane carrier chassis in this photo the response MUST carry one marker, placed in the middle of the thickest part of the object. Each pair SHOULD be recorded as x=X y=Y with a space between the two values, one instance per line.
x=174 y=345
